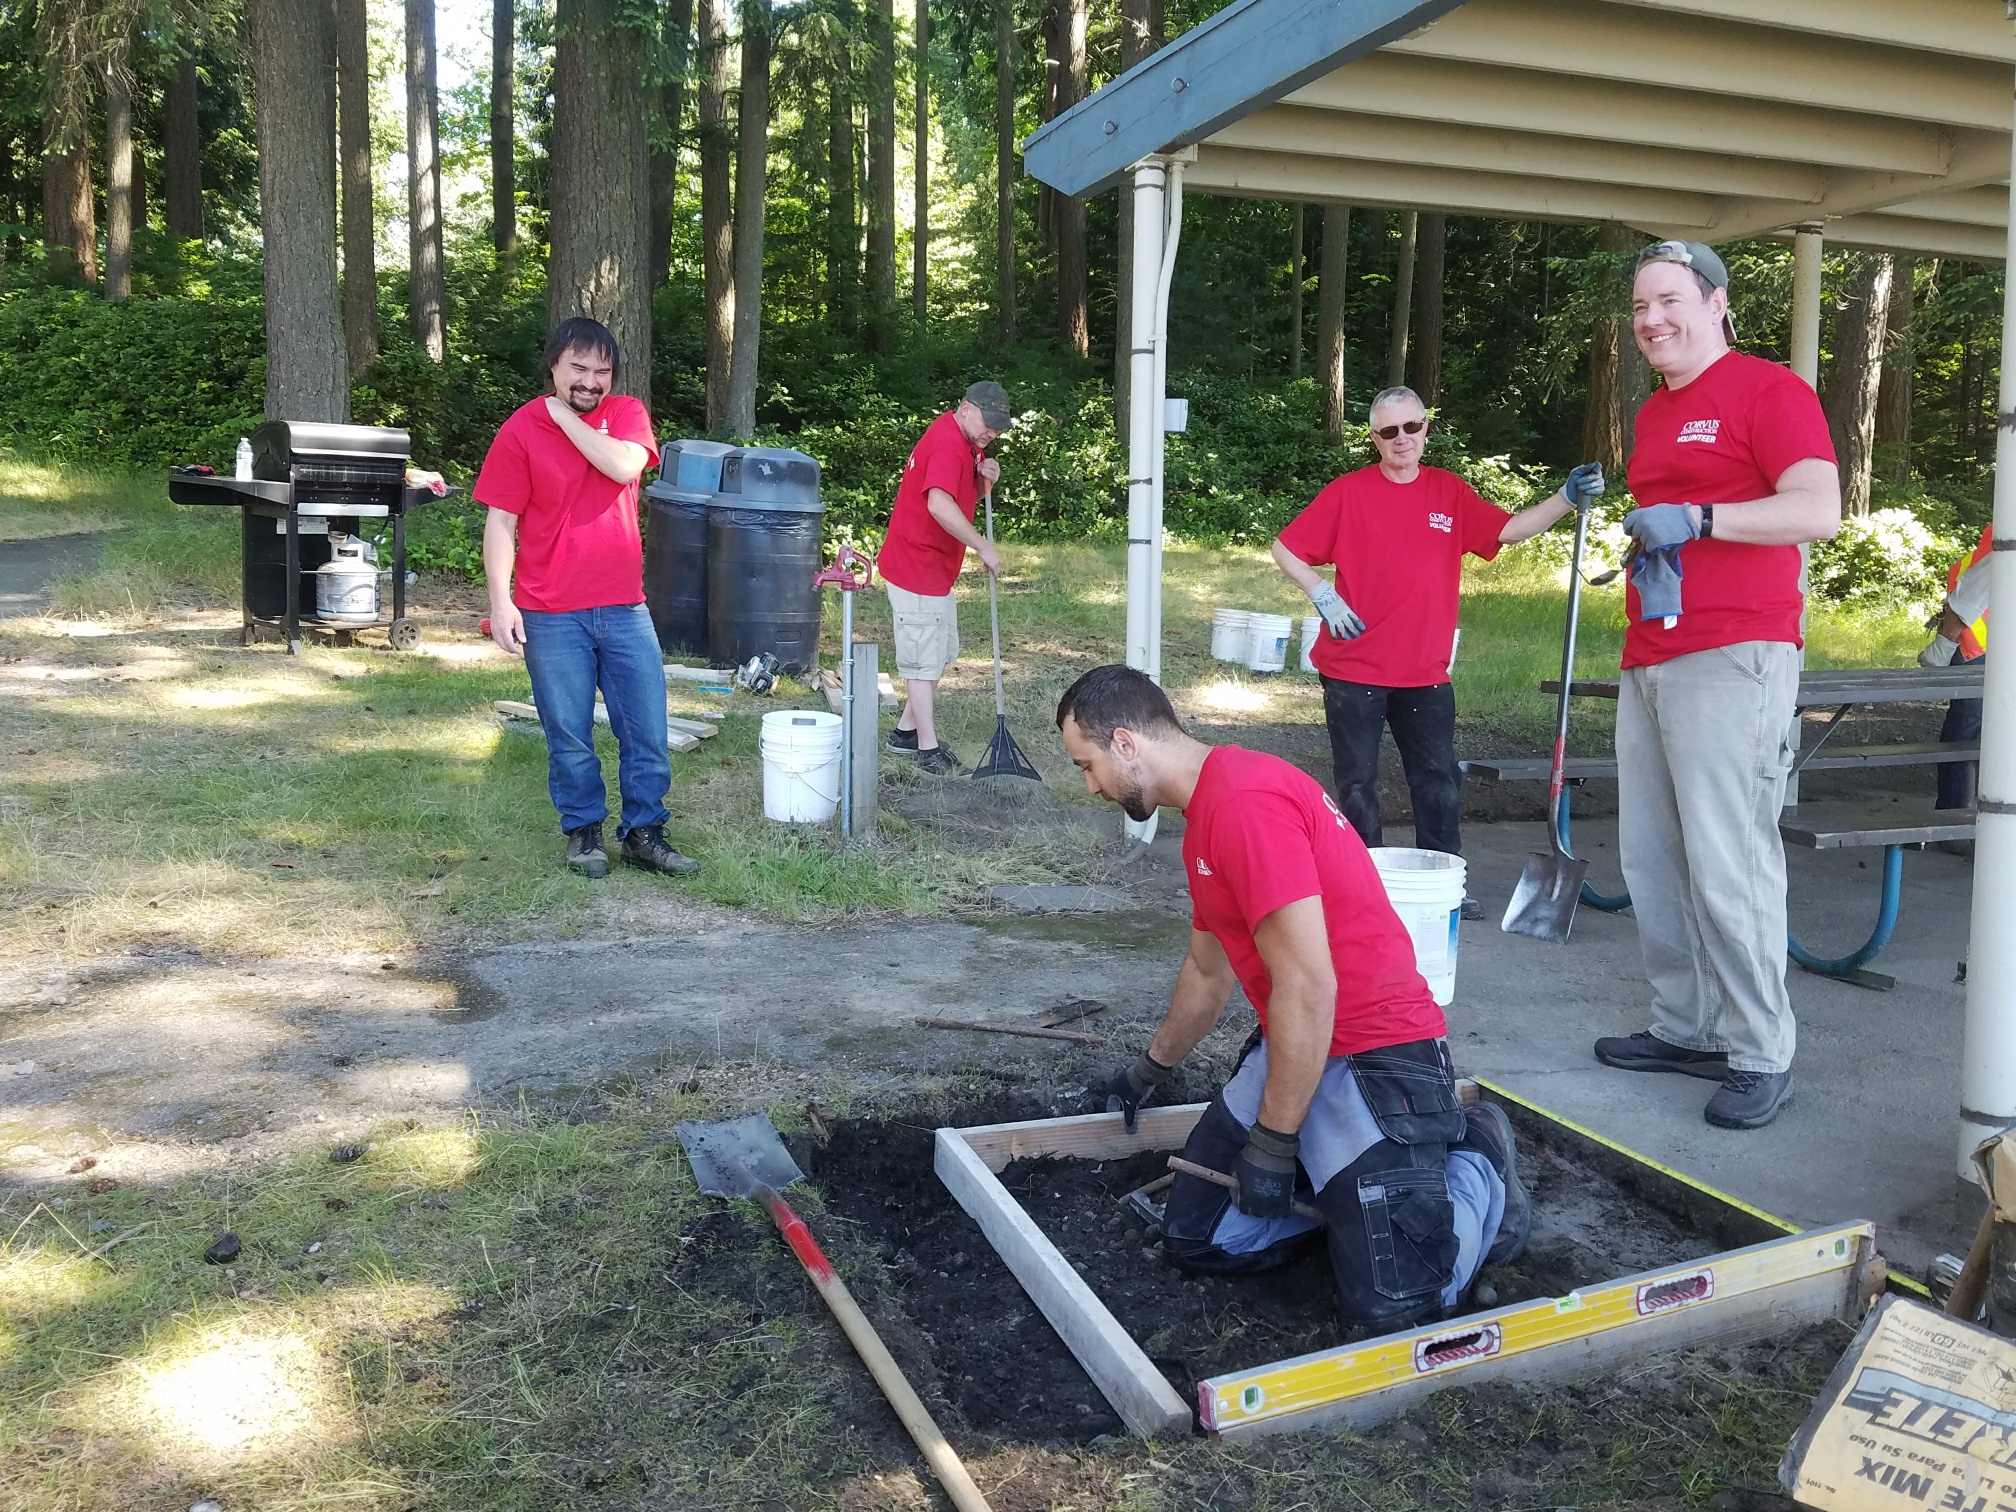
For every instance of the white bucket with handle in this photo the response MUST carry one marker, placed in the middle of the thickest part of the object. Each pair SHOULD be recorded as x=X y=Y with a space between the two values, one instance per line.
x=1229 y=636
x=1312 y=626
x=801 y=765
x=1267 y=642
x=1425 y=888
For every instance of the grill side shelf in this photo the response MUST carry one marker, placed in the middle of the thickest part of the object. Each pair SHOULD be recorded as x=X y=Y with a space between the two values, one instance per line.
x=191 y=488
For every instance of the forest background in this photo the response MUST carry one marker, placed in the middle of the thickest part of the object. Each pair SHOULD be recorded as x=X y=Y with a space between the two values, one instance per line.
x=807 y=224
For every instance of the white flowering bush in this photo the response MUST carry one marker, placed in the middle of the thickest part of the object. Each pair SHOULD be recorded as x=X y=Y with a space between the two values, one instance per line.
x=1886 y=559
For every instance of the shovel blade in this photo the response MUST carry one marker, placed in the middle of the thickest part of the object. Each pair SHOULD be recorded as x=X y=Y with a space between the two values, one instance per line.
x=729 y=1156
x=1543 y=904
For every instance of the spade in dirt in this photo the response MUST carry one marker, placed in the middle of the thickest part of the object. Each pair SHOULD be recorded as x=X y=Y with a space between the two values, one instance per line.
x=1004 y=758
x=743 y=1157
x=1543 y=902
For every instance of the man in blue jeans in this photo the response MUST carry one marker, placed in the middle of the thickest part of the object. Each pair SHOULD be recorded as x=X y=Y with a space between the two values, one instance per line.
x=560 y=484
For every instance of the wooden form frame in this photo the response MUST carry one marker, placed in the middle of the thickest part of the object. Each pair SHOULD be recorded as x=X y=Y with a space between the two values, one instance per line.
x=1778 y=1279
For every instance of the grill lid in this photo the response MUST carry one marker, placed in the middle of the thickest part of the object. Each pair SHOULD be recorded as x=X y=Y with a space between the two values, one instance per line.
x=278 y=445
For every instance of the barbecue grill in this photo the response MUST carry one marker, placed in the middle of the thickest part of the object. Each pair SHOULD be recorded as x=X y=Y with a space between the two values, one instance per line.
x=309 y=481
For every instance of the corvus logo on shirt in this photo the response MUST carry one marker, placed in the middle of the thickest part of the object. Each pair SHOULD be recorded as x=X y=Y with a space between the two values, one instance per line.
x=1202 y=869
x=1705 y=431
x=1442 y=522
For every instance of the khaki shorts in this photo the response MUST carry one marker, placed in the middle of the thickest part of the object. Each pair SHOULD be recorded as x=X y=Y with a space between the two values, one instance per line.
x=927 y=633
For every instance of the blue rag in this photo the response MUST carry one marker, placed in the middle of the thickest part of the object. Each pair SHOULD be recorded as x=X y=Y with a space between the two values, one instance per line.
x=1656 y=576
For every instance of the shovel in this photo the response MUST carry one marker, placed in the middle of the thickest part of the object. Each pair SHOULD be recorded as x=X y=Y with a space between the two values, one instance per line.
x=1543 y=903
x=743 y=1157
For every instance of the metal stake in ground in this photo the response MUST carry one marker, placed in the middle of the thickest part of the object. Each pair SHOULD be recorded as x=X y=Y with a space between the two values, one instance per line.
x=1004 y=758
x=1543 y=902
x=743 y=1157
x=850 y=573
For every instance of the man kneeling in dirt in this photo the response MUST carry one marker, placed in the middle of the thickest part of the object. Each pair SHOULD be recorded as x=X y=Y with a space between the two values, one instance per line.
x=1345 y=1097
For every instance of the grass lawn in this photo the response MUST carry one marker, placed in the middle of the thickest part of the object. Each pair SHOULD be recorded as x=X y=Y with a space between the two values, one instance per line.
x=532 y=1307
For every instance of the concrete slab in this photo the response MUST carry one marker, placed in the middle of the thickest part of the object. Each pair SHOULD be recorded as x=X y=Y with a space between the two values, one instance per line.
x=1873 y=1127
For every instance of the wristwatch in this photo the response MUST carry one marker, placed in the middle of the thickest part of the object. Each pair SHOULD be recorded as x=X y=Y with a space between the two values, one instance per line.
x=1707 y=521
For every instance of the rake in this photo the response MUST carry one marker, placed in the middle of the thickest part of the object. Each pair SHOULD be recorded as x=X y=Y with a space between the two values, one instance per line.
x=1004 y=758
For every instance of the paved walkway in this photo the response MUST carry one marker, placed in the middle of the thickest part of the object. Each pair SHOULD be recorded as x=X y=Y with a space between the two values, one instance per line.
x=27 y=568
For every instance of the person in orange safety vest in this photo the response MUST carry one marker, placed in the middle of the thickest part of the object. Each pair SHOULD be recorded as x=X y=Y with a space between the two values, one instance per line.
x=1962 y=635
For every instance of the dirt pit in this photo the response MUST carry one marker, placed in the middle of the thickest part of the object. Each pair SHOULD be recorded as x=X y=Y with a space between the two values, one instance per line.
x=999 y=1364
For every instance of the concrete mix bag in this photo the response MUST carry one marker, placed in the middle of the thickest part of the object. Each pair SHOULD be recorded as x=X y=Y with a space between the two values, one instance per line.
x=1921 y=1412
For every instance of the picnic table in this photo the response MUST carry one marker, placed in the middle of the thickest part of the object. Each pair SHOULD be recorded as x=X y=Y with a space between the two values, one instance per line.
x=1842 y=689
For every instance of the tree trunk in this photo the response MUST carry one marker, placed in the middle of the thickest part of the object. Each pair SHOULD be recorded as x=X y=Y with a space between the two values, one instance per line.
x=119 y=171
x=665 y=142
x=1069 y=210
x=1295 y=276
x=139 y=187
x=503 y=128
x=1140 y=35
x=600 y=266
x=881 y=172
x=1857 y=372
x=1330 y=319
x=843 y=222
x=1605 y=421
x=1403 y=301
x=294 y=77
x=69 y=214
x=752 y=171
x=360 y=226
x=1893 y=395
x=181 y=152
x=717 y=235
x=1424 y=356
x=920 y=228
x=426 y=294
x=1004 y=172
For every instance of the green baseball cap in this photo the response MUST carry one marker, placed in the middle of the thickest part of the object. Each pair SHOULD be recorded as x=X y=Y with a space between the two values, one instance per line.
x=991 y=400
x=1700 y=258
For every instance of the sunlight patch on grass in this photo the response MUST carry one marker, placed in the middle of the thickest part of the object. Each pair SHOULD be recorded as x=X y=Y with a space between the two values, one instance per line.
x=435 y=1159
x=1227 y=697
x=229 y=1390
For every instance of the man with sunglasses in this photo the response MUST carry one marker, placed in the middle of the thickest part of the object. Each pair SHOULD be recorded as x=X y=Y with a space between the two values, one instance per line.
x=1733 y=471
x=1397 y=533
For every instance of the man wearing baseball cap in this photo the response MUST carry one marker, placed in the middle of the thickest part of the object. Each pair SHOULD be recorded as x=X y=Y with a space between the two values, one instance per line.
x=930 y=530
x=1733 y=470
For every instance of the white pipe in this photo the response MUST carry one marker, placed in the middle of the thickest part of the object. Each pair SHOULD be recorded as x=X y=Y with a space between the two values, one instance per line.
x=1172 y=234
x=1988 y=1050
x=1806 y=246
x=1143 y=408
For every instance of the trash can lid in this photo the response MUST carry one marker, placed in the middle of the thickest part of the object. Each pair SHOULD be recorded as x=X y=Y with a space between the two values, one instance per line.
x=692 y=466
x=664 y=495
x=771 y=477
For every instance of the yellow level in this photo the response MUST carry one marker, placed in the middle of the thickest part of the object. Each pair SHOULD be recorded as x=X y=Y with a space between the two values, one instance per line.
x=1736 y=1294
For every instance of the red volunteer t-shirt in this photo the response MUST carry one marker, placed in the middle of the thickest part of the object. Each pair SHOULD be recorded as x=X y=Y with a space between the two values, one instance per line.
x=917 y=553
x=1726 y=438
x=1261 y=835
x=578 y=543
x=1398 y=550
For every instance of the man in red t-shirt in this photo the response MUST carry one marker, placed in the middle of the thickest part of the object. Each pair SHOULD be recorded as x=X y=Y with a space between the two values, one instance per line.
x=560 y=482
x=1345 y=1096
x=1397 y=533
x=930 y=531
x=1732 y=470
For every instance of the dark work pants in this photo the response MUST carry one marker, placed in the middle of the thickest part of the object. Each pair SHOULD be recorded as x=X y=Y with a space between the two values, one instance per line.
x=1423 y=721
x=1956 y=778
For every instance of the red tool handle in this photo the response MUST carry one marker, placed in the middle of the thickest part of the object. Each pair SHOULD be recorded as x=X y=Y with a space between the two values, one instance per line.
x=850 y=572
x=483 y=625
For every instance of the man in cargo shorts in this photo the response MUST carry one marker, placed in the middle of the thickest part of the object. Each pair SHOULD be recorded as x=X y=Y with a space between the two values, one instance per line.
x=930 y=530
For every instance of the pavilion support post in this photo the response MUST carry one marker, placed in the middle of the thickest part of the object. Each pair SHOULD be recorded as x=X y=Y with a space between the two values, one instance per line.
x=1988 y=1054
x=1806 y=247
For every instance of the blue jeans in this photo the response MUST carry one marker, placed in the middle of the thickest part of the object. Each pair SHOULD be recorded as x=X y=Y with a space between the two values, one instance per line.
x=1957 y=778
x=569 y=656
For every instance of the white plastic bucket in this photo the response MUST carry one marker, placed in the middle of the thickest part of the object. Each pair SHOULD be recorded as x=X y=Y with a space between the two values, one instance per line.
x=801 y=765
x=1229 y=634
x=1426 y=889
x=1312 y=626
x=1267 y=642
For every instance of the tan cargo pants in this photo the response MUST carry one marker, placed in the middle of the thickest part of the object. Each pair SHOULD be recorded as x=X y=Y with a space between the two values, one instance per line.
x=1702 y=756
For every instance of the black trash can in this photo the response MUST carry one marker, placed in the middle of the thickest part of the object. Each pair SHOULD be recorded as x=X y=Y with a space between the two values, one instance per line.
x=675 y=542
x=762 y=553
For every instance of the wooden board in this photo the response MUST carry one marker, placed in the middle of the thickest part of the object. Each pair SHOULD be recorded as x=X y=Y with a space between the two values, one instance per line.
x=1734 y=1295
x=700 y=674
x=676 y=739
x=697 y=727
x=1845 y=827
x=1840 y=685
x=1825 y=759
x=1089 y=1136
x=1127 y=1378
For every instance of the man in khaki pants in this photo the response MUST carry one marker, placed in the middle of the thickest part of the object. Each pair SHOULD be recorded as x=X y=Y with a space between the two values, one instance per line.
x=1733 y=470
x=930 y=531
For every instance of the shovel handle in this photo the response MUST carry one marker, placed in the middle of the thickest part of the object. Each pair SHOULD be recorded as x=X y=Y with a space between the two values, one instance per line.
x=940 y=1455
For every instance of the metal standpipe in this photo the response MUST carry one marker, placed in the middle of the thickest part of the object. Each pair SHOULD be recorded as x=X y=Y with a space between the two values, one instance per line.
x=1988 y=1053
x=847 y=703
x=1807 y=245
x=1143 y=427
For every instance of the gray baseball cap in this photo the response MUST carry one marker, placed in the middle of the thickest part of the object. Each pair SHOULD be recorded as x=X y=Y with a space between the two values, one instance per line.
x=1700 y=258
x=991 y=400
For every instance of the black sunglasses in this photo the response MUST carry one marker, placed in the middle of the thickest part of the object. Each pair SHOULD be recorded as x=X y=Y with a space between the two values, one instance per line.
x=1412 y=427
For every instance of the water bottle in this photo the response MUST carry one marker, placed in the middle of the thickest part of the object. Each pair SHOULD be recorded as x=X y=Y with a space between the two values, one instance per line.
x=244 y=472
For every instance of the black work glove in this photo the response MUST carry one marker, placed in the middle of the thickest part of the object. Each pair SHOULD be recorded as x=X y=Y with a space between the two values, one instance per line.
x=1265 y=1171
x=1130 y=1088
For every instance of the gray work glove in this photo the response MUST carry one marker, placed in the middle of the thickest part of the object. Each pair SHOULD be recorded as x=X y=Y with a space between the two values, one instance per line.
x=1265 y=1171
x=1342 y=619
x=1583 y=485
x=1655 y=527
x=1656 y=576
x=1940 y=653
x=1130 y=1088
